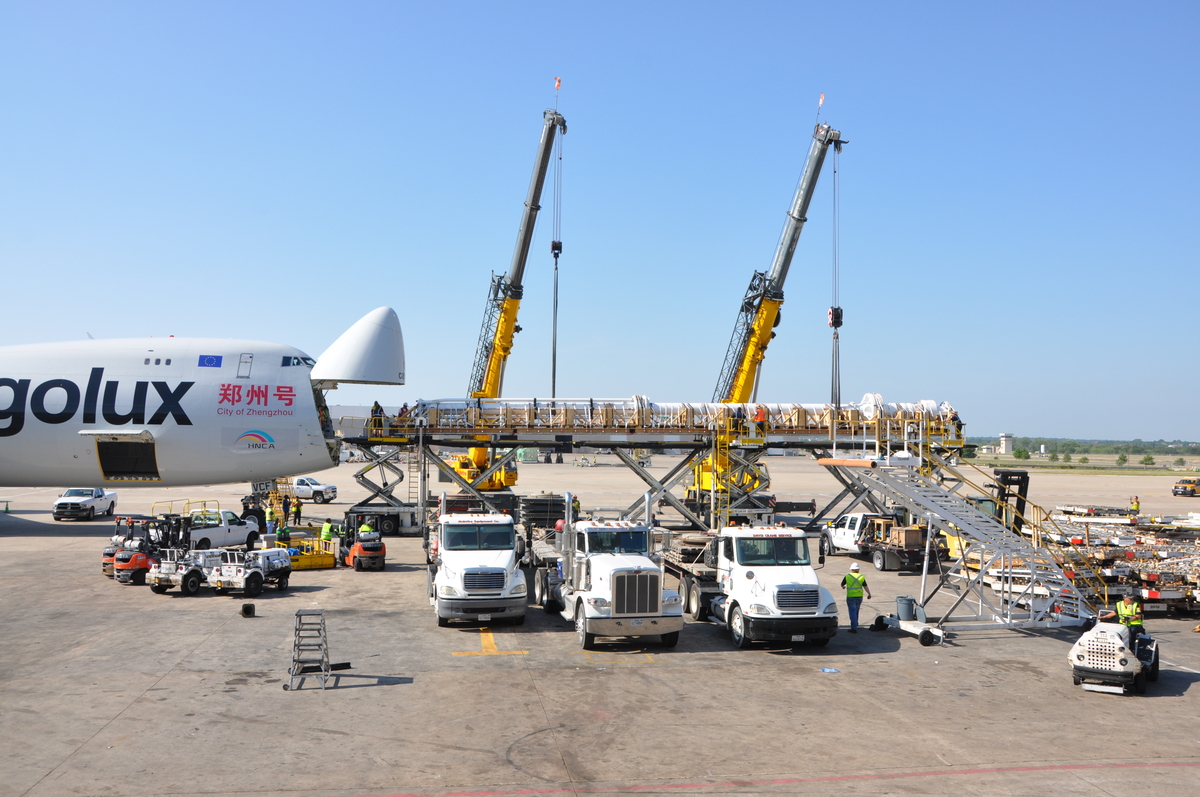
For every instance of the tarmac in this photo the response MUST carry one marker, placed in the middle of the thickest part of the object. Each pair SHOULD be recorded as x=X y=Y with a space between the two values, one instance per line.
x=112 y=690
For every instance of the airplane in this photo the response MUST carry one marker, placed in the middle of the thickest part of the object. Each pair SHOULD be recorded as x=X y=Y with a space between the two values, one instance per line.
x=177 y=412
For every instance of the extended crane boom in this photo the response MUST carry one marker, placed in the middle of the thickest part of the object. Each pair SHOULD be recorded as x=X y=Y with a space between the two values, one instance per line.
x=504 y=300
x=759 y=313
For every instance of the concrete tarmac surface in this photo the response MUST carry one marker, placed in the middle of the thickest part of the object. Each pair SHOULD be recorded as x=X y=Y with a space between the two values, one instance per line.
x=109 y=689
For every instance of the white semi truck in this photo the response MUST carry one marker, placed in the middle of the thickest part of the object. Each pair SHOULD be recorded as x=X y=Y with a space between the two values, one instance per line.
x=475 y=573
x=600 y=576
x=756 y=580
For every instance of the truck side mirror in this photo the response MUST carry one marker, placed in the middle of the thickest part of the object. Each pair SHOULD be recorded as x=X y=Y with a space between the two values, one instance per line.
x=520 y=547
x=821 y=559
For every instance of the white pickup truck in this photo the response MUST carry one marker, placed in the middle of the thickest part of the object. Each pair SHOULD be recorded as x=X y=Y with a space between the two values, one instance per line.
x=84 y=503
x=216 y=529
x=879 y=538
x=309 y=489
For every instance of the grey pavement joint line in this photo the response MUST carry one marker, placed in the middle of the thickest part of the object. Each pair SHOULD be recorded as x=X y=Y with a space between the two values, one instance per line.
x=546 y=715
x=121 y=713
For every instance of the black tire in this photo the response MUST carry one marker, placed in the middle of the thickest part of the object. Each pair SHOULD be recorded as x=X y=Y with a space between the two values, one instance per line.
x=111 y=508
x=159 y=589
x=1075 y=679
x=1139 y=683
x=91 y=515
x=1152 y=675
x=202 y=545
x=443 y=621
x=254 y=585
x=819 y=643
x=586 y=641
x=880 y=624
x=318 y=498
x=697 y=607
x=138 y=578
x=670 y=640
x=190 y=584
x=251 y=540
x=281 y=583
x=737 y=629
x=519 y=620
x=927 y=638
x=826 y=547
x=387 y=525
x=358 y=564
x=879 y=560
x=539 y=588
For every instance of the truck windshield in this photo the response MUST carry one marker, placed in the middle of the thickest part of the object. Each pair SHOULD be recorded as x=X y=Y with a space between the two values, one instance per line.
x=761 y=551
x=473 y=537
x=76 y=492
x=616 y=541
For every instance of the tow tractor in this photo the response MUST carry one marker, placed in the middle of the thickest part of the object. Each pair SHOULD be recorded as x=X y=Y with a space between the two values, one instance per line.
x=1109 y=657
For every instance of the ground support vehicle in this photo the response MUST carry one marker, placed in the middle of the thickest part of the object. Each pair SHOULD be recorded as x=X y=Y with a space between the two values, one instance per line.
x=756 y=580
x=84 y=503
x=363 y=551
x=600 y=576
x=386 y=519
x=1188 y=485
x=1110 y=657
x=475 y=572
x=218 y=528
x=248 y=572
x=139 y=543
x=880 y=539
x=310 y=553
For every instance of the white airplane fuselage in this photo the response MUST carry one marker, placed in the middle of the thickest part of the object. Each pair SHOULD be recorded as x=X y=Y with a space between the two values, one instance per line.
x=159 y=411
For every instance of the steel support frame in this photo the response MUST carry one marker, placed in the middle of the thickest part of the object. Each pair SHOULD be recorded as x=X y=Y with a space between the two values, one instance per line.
x=386 y=464
x=662 y=489
x=468 y=487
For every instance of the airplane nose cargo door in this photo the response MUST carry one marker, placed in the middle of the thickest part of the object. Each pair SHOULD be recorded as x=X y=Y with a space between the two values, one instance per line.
x=369 y=353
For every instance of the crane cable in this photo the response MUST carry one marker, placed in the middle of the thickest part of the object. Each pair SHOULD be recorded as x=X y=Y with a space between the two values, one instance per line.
x=556 y=248
x=835 y=310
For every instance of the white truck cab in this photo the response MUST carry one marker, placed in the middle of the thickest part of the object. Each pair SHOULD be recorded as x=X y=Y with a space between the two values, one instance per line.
x=605 y=582
x=768 y=588
x=476 y=570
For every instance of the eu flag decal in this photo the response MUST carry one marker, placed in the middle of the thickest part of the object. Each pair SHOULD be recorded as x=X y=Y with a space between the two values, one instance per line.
x=210 y=361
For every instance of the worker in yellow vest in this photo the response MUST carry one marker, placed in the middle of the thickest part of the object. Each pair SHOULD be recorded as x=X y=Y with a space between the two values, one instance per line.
x=327 y=530
x=855 y=584
x=1135 y=506
x=1129 y=612
x=270 y=519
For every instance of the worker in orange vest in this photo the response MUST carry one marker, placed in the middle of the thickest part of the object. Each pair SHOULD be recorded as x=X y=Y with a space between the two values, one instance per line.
x=760 y=419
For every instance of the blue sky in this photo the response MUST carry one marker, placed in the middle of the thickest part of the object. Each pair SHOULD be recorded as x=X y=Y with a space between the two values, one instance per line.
x=1018 y=194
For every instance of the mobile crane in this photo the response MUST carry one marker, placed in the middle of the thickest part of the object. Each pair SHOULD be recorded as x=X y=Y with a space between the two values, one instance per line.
x=500 y=314
x=757 y=318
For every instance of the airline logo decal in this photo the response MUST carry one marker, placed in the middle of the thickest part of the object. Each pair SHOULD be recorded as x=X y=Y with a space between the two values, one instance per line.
x=239 y=438
x=57 y=401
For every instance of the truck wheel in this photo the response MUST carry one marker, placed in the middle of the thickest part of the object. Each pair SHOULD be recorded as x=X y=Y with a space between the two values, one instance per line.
x=318 y=498
x=159 y=589
x=826 y=548
x=927 y=638
x=697 y=608
x=203 y=545
x=139 y=577
x=519 y=620
x=387 y=525
x=1139 y=683
x=586 y=641
x=190 y=584
x=357 y=565
x=251 y=541
x=111 y=508
x=443 y=621
x=1153 y=674
x=281 y=583
x=670 y=640
x=539 y=588
x=254 y=584
x=879 y=560
x=819 y=643
x=737 y=629
x=91 y=515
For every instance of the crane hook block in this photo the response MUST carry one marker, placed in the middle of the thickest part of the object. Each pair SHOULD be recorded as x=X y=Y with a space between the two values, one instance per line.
x=556 y=248
x=835 y=317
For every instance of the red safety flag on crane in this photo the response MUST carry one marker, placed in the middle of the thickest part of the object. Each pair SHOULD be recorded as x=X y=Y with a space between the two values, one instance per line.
x=821 y=101
x=558 y=84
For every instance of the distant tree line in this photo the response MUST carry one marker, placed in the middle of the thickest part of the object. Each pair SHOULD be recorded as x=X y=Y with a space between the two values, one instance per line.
x=1127 y=448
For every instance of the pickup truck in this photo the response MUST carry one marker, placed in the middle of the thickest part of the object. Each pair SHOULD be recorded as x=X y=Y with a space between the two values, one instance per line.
x=84 y=503
x=309 y=489
x=1188 y=485
x=879 y=538
x=215 y=529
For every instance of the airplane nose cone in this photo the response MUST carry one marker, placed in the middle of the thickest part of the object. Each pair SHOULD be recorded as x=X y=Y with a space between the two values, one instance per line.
x=369 y=353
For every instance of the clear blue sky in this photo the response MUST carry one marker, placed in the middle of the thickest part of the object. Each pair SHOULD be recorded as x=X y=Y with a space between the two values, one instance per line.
x=1019 y=194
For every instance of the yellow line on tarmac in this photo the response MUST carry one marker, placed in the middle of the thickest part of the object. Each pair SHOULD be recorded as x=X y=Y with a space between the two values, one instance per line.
x=488 y=642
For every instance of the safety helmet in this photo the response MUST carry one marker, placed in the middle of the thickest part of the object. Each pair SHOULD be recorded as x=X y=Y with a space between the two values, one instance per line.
x=854 y=566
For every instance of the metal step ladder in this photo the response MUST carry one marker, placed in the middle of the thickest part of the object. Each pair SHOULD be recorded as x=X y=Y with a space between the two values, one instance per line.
x=310 y=647
x=1031 y=588
x=414 y=477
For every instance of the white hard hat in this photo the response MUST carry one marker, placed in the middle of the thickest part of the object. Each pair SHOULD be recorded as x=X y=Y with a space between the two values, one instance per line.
x=854 y=566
